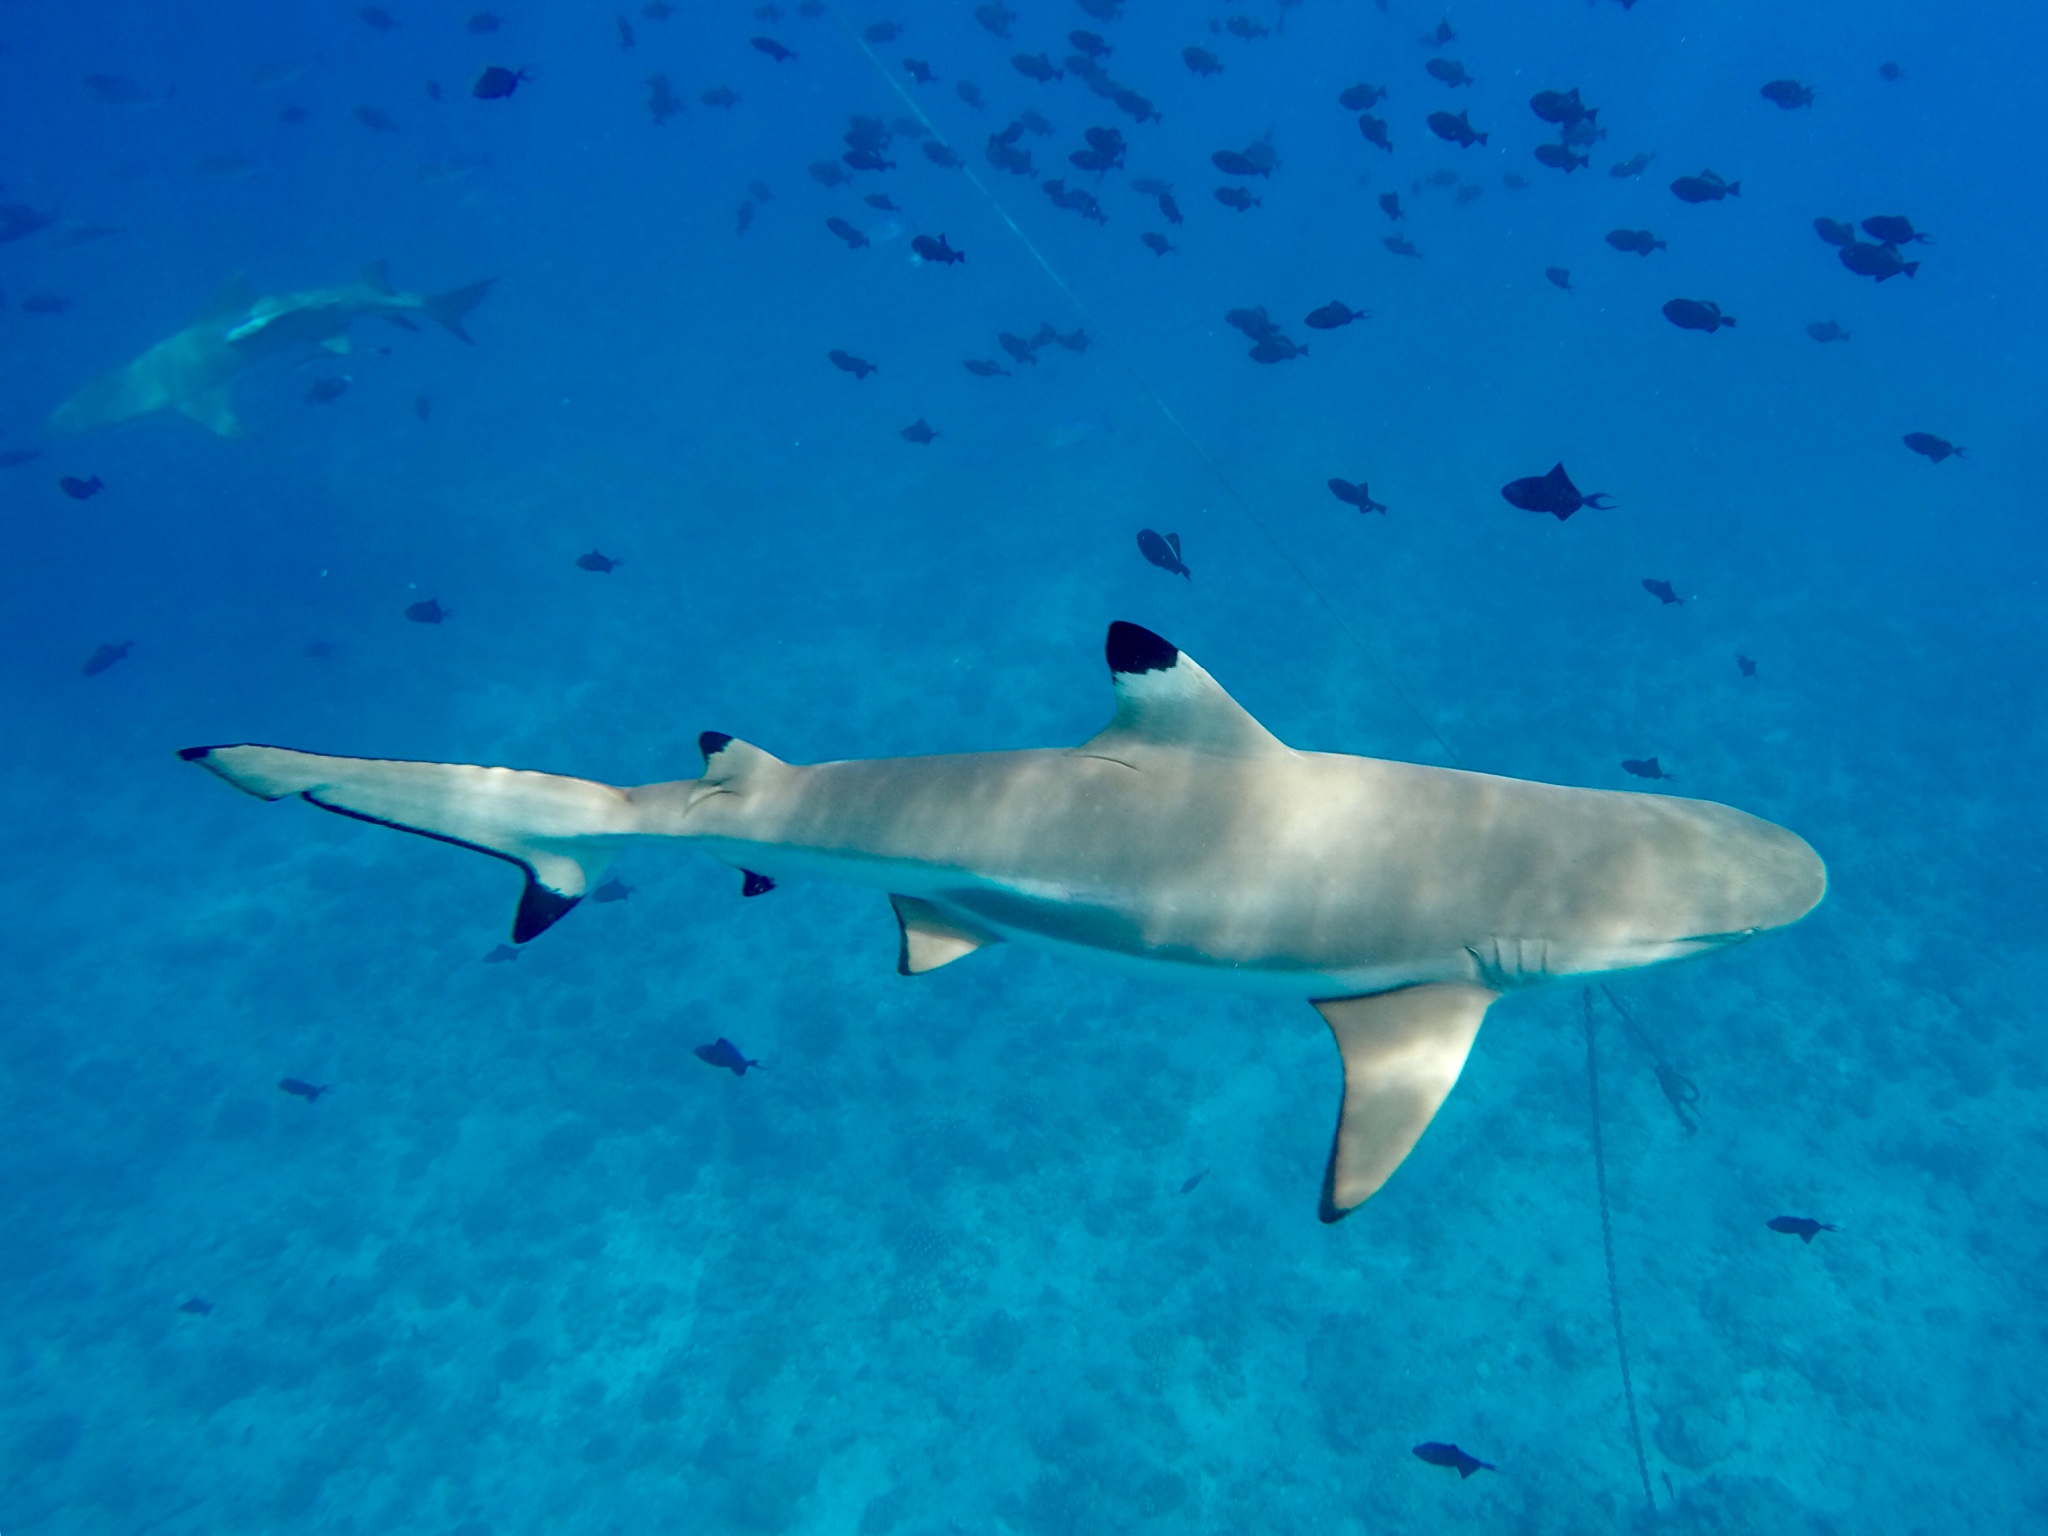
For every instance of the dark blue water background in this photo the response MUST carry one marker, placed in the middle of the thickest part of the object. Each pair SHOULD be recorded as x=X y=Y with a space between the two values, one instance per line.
x=531 y=1266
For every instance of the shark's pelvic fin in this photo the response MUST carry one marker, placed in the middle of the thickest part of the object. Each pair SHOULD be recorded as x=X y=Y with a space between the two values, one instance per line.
x=556 y=829
x=213 y=409
x=933 y=937
x=1165 y=699
x=1402 y=1053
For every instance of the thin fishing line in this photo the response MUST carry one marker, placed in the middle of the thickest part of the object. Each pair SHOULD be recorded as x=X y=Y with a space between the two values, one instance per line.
x=1628 y=1389
x=1243 y=504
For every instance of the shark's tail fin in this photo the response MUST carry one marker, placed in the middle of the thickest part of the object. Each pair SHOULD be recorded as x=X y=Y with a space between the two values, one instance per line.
x=557 y=829
x=450 y=307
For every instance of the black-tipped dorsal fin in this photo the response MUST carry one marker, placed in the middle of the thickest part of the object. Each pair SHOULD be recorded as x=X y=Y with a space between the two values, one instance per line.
x=729 y=762
x=234 y=298
x=1165 y=699
x=933 y=936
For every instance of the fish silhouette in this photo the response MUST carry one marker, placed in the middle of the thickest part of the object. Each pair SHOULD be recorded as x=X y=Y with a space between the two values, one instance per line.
x=1559 y=157
x=855 y=240
x=1805 y=1228
x=502 y=955
x=919 y=431
x=1201 y=61
x=936 y=250
x=197 y=1306
x=105 y=657
x=81 y=490
x=982 y=368
x=1787 y=94
x=1894 y=229
x=610 y=891
x=1875 y=261
x=596 y=561
x=1560 y=277
x=1640 y=241
x=1439 y=1454
x=1553 y=493
x=1697 y=315
x=1355 y=495
x=1835 y=232
x=1157 y=243
x=1333 y=315
x=723 y=1053
x=428 y=612
x=497 y=82
x=1400 y=245
x=1455 y=128
x=1375 y=131
x=1187 y=1186
x=1164 y=552
x=1646 y=768
x=1662 y=591
x=1707 y=187
x=1825 y=330
x=772 y=48
x=1745 y=665
x=1928 y=446
x=299 y=1089
x=846 y=362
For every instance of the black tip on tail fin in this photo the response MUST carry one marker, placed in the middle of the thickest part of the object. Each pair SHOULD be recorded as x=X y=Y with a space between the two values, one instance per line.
x=539 y=910
x=1131 y=648
x=450 y=307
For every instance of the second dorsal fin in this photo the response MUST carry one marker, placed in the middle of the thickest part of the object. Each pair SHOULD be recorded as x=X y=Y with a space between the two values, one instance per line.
x=1165 y=699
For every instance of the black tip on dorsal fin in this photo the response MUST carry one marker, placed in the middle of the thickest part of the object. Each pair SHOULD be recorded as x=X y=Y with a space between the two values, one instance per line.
x=1131 y=648
x=711 y=743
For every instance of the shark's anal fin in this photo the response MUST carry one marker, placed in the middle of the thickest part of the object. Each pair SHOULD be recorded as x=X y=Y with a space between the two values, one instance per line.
x=1164 y=699
x=1402 y=1053
x=933 y=937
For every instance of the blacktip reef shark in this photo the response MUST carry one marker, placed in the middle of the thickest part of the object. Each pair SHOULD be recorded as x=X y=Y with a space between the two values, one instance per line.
x=1183 y=840
x=190 y=370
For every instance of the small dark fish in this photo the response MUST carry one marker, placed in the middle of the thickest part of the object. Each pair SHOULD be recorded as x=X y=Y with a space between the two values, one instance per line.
x=1928 y=446
x=846 y=362
x=867 y=160
x=1645 y=768
x=981 y=368
x=1157 y=243
x=1231 y=163
x=1875 y=261
x=81 y=490
x=1835 y=232
x=481 y=23
x=1356 y=98
x=1188 y=1184
x=1662 y=591
x=1745 y=665
x=919 y=432
x=1559 y=157
x=1890 y=70
x=1456 y=128
x=1334 y=315
x=596 y=561
x=429 y=612
x=1634 y=165
x=1640 y=241
x=1439 y=1454
x=1355 y=495
x=1019 y=349
x=772 y=48
x=1239 y=198
x=724 y=97
x=881 y=201
x=940 y=155
x=197 y=1306
x=105 y=657
x=613 y=889
x=968 y=92
x=920 y=71
x=376 y=18
x=723 y=1053
x=881 y=31
x=376 y=119
x=328 y=390
x=1553 y=493
x=1450 y=71
x=1246 y=27
x=1276 y=348
x=1704 y=188
x=936 y=250
x=504 y=954
x=1076 y=342
x=1400 y=245
x=1201 y=61
x=1893 y=229
x=1583 y=133
x=1787 y=93
x=1560 y=106
x=14 y=458
x=310 y=1092
x=1164 y=552
x=1438 y=35
x=1805 y=1228
x=1375 y=131
x=45 y=304
x=1390 y=205
x=1697 y=315
x=1036 y=66
x=1256 y=324
x=1089 y=45
x=1825 y=330
x=995 y=17
x=1169 y=209
x=1560 y=277
x=854 y=239
x=662 y=102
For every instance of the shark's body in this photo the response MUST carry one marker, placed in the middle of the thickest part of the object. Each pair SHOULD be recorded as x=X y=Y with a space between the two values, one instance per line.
x=190 y=370
x=1183 y=840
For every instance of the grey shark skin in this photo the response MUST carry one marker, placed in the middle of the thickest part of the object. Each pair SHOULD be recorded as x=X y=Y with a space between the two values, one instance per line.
x=1182 y=841
x=190 y=370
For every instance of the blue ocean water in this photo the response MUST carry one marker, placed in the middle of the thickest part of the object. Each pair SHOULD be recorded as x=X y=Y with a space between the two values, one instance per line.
x=529 y=1265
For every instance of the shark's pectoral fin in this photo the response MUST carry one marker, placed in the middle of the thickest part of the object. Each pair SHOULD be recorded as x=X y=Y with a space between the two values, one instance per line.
x=933 y=937
x=557 y=829
x=213 y=409
x=1402 y=1052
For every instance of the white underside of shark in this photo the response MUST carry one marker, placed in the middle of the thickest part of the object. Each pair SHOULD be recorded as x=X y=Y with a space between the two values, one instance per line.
x=1184 y=842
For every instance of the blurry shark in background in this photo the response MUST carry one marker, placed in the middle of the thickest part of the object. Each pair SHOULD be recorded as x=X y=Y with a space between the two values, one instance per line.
x=1183 y=841
x=190 y=370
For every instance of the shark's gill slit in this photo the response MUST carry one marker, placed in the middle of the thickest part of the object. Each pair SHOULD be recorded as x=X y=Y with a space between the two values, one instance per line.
x=1237 y=497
